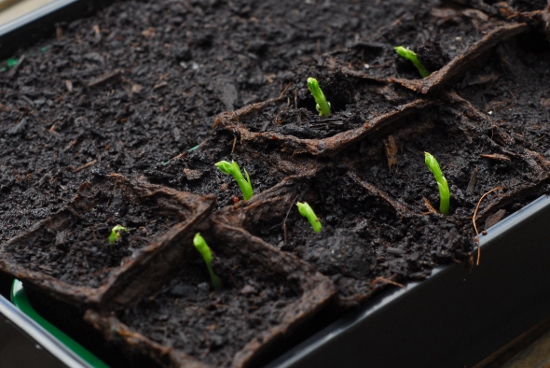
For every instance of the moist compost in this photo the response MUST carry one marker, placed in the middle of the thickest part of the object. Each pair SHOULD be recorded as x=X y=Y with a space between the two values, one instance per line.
x=189 y=316
x=79 y=252
x=161 y=91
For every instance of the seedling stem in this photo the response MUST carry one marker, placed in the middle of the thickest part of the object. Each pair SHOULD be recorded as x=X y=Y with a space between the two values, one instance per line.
x=306 y=211
x=115 y=233
x=323 y=106
x=206 y=254
x=444 y=192
x=411 y=55
x=234 y=170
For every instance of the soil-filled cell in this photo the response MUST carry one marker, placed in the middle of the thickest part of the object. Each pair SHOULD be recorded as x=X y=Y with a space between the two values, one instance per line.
x=78 y=247
x=265 y=295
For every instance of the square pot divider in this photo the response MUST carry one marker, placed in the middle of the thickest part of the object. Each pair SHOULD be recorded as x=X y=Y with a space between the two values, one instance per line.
x=344 y=254
x=299 y=131
x=267 y=294
x=68 y=255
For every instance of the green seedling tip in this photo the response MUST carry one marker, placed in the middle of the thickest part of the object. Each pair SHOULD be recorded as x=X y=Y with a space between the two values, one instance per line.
x=206 y=254
x=115 y=233
x=411 y=55
x=323 y=106
x=306 y=211
x=234 y=170
x=12 y=62
x=444 y=192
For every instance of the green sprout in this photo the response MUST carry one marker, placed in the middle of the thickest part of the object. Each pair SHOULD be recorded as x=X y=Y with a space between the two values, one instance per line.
x=206 y=254
x=306 y=211
x=323 y=106
x=444 y=193
x=411 y=55
x=234 y=170
x=115 y=233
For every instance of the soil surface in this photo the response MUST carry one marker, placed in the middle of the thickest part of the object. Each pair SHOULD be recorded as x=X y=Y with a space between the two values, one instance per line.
x=76 y=249
x=251 y=302
x=134 y=90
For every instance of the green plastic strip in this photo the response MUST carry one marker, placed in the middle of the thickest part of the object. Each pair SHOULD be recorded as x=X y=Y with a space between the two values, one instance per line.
x=189 y=150
x=12 y=62
x=19 y=298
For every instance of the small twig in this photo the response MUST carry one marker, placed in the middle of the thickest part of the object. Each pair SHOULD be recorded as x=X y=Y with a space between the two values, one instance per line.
x=112 y=193
x=399 y=208
x=475 y=215
x=85 y=166
x=286 y=217
x=13 y=71
x=104 y=78
x=284 y=90
x=429 y=205
x=178 y=156
x=233 y=279
x=495 y=156
x=387 y=281
x=472 y=182
x=234 y=144
x=512 y=105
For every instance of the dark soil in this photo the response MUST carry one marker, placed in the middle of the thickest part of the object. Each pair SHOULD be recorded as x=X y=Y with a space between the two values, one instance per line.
x=251 y=302
x=78 y=251
x=134 y=88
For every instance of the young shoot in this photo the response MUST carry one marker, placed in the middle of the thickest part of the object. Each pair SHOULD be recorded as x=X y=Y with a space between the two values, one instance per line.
x=323 y=106
x=444 y=193
x=306 y=211
x=411 y=55
x=206 y=254
x=234 y=170
x=115 y=233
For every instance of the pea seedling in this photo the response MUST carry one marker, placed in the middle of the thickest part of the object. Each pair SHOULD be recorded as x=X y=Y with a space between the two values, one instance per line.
x=115 y=233
x=206 y=254
x=234 y=170
x=323 y=106
x=444 y=193
x=411 y=55
x=306 y=211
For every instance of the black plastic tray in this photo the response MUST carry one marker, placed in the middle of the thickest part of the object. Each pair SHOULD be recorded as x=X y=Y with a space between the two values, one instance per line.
x=456 y=317
x=41 y=22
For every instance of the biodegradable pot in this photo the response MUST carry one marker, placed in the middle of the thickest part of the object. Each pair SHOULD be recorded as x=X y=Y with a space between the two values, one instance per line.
x=68 y=255
x=267 y=295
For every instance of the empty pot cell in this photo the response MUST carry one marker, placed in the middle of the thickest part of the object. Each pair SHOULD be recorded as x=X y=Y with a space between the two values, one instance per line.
x=78 y=249
x=505 y=91
x=186 y=322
